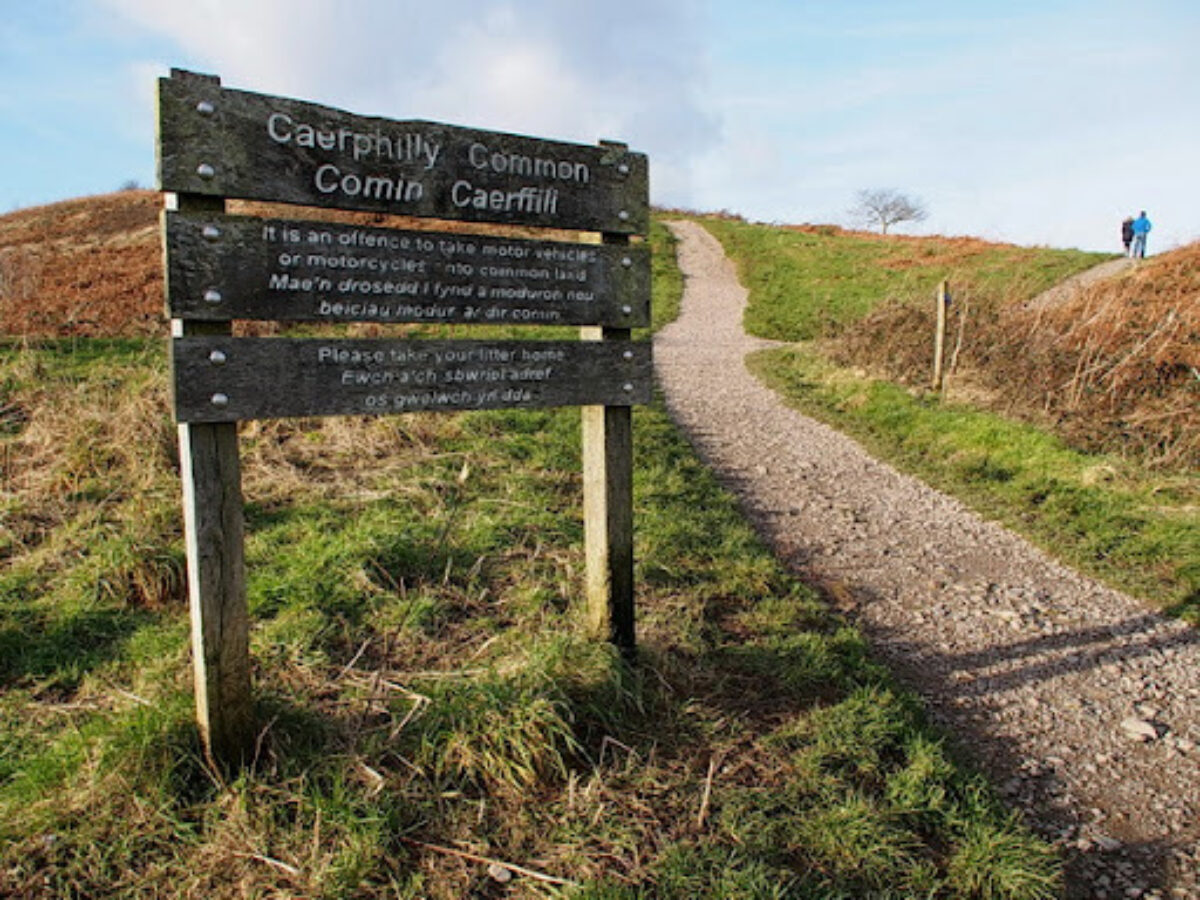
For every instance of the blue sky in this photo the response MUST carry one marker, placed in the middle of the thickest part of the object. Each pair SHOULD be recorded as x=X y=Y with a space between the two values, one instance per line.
x=1038 y=123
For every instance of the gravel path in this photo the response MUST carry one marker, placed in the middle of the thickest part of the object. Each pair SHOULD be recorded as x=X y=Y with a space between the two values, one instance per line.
x=1061 y=293
x=1083 y=705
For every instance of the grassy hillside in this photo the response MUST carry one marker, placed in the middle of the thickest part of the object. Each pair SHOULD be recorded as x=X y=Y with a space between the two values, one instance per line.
x=86 y=267
x=1116 y=367
x=433 y=725
x=811 y=282
x=1078 y=425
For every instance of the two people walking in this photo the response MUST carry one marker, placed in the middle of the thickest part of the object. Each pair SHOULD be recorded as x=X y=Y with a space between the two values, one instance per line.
x=1133 y=235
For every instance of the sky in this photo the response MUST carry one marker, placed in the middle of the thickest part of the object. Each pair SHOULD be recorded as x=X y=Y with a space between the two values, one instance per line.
x=1039 y=123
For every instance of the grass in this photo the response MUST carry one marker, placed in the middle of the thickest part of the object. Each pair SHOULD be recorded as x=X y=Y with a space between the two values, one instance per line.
x=1117 y=367
x=817 y=281
x=1135 y=528
x=425 y=696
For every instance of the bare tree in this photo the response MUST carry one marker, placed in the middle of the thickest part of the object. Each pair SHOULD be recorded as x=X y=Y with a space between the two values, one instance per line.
x=884 y=207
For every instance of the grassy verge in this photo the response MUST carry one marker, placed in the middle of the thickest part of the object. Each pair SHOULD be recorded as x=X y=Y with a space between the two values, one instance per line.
x=667 y=279
x=1136 y=529
x=425 y=697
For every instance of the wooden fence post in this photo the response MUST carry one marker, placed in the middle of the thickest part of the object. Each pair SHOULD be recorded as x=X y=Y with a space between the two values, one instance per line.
x=210 y=469
x=939 y=336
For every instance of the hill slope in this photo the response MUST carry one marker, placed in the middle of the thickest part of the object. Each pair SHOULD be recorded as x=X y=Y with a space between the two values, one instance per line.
x=1114 y=366
x=1117 y=364
x=428 y=705
x=85 y=267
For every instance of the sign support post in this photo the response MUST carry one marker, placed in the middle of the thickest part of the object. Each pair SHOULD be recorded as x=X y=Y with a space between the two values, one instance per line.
x=213 y=525
x=210 y=467
x=608 y=519
x=608 y=503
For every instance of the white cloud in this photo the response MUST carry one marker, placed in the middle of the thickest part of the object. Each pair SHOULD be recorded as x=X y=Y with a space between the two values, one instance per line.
x=630 y=70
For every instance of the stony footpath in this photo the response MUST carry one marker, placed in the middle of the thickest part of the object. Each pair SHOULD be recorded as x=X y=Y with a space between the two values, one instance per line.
x=1081 y=703
x=1061 y=293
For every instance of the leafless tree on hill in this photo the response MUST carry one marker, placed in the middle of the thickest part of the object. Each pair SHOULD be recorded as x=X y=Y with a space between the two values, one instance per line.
x=883 y=207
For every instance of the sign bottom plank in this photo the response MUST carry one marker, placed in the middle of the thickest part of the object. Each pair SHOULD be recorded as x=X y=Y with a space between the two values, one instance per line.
x=223 y=379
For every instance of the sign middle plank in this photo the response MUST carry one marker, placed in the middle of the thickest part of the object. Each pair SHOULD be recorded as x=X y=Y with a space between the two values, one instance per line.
x=237 y=267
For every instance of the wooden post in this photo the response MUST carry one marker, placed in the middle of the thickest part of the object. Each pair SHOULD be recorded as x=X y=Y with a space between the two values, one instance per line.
x=608 y=506
x=939 y=336
x=608 y=514
x=214 y=532
x=214 y=535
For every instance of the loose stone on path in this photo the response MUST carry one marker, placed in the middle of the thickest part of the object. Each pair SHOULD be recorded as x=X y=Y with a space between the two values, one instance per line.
x=1035 y=670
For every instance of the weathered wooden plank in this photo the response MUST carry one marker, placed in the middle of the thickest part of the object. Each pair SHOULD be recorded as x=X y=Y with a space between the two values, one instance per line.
x=217 y=141
x=229 y=379
x=234 y=267
x=210 y=471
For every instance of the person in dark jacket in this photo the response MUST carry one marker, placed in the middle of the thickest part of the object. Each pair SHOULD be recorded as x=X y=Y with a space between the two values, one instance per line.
x=1141 y=228
x=1127 y=233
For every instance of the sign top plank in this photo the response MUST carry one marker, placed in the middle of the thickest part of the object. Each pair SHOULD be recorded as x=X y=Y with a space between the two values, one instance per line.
x=229 y=143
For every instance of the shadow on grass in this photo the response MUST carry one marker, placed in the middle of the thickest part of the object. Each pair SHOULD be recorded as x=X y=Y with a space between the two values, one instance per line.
x=1187 y=609
x=956 y=686
x=35 y=645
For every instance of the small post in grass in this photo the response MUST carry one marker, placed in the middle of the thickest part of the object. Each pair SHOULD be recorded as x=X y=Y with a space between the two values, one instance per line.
x=939 y=335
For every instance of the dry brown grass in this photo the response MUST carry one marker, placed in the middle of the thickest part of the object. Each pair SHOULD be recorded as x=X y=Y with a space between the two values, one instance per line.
x=334 y=457
x=87 y=267
x=1116 y=367
x=1119 y=364
x=90 y=457
x=77 y=435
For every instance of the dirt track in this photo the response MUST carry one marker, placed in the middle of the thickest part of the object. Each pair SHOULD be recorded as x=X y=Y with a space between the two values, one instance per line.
x=1061 y=293
x=1083 y=705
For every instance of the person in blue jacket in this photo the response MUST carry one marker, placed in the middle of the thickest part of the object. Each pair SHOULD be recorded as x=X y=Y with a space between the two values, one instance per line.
x=1141 y=228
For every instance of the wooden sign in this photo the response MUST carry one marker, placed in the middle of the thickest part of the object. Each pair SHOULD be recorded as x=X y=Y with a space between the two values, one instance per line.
x=215 y=143
x=225 y=379
x=229 y=143
x=235 y=267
